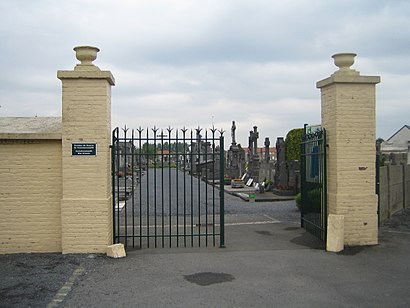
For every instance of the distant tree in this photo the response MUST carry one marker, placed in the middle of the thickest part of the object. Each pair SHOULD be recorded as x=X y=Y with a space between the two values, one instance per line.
x=148 y=148
x=292 y=142
x=164 y=146
x=174 y=147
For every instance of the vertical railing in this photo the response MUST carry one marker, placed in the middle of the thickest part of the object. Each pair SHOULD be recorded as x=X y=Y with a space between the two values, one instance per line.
x=221 y=192
x=213 y=130
x=113 y=183
x=377 y=188
x=154 y=130
x=192 y=164
x=185 y=199
x=140 y=171
x=176 y=157
x=324 y=187
x=303 y=191
x=169 y=188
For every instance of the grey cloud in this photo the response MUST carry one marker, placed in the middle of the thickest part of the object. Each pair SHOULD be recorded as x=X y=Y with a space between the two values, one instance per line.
x=253 y=61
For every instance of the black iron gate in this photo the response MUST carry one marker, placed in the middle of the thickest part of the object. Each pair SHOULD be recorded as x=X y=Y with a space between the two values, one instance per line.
x=313 y=182
x=168 y=187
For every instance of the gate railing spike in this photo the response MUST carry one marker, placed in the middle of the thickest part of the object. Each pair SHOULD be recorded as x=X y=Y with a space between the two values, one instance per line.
x=221 y=131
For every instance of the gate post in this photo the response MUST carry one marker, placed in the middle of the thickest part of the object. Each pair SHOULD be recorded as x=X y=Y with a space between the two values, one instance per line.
x=86 y=209
x=348 y=115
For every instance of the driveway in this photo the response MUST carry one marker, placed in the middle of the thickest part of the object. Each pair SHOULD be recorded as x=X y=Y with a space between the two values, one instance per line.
x=269 y=262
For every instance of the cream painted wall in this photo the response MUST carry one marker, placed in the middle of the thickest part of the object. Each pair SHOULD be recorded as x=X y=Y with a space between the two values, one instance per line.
x=30 y=193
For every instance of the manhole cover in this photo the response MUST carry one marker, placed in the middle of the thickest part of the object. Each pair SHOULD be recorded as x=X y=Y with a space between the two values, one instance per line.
x=208 y=278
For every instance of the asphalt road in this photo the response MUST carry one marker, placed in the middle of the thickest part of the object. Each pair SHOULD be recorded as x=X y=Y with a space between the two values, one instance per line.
x=169 y=203
x=268 y=262
x=173 y=192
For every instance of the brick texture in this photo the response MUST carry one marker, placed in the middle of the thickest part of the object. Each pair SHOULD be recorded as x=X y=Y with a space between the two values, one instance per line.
x=86 y=209
x=50 y=200
x=30 y=193
x=348 y=115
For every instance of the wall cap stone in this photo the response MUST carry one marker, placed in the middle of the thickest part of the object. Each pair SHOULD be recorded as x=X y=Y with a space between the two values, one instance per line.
x=347 y=79
x=29 y=128
x=86 y=75
x=31 y=136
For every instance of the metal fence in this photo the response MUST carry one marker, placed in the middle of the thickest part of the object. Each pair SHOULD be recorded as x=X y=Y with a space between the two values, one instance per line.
x=313 y=183
x=168 y=187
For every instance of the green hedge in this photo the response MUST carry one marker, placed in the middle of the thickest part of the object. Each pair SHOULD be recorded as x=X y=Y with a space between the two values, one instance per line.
x=292 y=142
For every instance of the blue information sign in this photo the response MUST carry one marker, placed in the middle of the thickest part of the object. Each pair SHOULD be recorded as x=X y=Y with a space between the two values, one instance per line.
x=89 y=149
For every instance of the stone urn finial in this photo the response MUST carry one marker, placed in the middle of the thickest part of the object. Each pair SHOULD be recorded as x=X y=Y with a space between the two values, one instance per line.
x=344 y=61
x=86 y=54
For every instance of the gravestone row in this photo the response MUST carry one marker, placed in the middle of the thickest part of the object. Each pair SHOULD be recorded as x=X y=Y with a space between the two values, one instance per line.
x=253 y=168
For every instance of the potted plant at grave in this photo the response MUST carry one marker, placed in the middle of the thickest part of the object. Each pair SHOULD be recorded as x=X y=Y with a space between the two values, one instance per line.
x=283 y=190
x=237 y=183
x=268 y=183
x=227 y=179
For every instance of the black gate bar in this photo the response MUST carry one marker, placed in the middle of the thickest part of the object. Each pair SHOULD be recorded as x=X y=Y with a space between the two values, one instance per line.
x=150 y=171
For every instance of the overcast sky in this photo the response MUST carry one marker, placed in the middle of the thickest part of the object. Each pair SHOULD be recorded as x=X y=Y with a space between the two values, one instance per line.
x=197 y=63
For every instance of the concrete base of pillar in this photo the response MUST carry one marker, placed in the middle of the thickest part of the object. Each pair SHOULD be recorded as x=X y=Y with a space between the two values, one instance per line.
x=116 y=251
x=335 y=233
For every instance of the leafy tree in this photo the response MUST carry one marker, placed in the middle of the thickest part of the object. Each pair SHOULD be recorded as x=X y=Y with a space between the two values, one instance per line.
x=174 y=147
x=292 y=142
x=164 y=146
x=148 y=148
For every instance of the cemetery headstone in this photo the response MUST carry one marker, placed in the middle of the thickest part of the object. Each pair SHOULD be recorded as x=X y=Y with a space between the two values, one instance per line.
x=235 y=157
x=253 y=157
x=281 y=174
x=267 y=154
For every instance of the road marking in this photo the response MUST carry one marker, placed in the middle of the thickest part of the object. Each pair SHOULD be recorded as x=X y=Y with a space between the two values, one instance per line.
x=267 y=222
x=399 y=232
x=269 y=217
x=66 y=288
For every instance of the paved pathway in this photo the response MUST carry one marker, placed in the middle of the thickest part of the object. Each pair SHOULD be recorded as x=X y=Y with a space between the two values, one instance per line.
x=274 y=264
x=269 y=262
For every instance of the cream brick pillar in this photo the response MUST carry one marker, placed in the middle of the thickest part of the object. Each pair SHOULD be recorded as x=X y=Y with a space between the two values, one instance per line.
x=348 y=115
x=86 y=215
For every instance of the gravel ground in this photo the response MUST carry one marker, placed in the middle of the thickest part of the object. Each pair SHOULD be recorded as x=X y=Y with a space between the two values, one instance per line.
x=32 y=280
x=398 y=222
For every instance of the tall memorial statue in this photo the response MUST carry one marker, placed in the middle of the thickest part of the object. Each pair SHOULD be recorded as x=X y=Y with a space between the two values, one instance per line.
x=233 y=129
x=235 y=163
x=255 y=136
